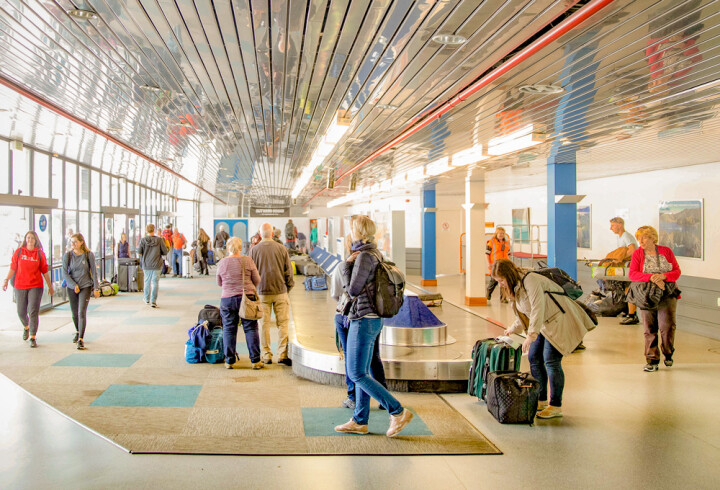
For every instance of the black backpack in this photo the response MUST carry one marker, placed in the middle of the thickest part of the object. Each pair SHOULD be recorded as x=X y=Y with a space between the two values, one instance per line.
x=389 y=288
x=571 y=288
x=210 y=314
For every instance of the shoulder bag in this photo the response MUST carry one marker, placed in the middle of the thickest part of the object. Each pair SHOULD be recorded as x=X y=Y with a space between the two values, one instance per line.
x=250 y=309
x=647 y=295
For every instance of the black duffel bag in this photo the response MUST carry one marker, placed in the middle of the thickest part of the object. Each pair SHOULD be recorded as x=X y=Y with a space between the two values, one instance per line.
x=210 y=314
x=512 y=397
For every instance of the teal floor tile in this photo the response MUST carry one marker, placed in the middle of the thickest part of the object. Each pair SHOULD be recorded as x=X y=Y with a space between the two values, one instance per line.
x=321 y=422
x=114 y=313
x=152 y=320
x=99 y=360
x=148 y=396
x=66 y=307
x=65 y=337
x=203 y=302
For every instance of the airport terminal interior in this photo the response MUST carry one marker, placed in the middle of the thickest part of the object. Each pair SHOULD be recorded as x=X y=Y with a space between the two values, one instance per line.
x=562 y=122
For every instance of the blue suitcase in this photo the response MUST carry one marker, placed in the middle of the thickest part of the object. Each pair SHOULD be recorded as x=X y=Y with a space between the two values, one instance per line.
x=211 y=257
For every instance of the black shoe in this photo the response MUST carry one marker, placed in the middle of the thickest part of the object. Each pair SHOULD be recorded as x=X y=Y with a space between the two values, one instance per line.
x=287 y=361
x=580 y=346
x=75 y=339
x=668 y=361
x=26 y=333
x=33 y=343
x=80 y=345
x=630 y=320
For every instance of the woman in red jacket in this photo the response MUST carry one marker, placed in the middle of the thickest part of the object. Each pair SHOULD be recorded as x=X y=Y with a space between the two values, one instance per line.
x=28 y=267
x=652 y=262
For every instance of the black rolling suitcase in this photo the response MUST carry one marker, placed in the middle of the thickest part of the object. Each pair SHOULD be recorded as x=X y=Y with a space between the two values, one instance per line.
x=512 y=397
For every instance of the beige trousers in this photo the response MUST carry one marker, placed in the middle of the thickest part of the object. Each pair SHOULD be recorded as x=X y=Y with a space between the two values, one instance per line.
x=281 y=304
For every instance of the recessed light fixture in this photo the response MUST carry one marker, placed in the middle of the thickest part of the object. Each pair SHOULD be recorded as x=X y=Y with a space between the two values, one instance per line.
x=386 y=106
x=541 y=89
x=449 y=39
x=84 y=14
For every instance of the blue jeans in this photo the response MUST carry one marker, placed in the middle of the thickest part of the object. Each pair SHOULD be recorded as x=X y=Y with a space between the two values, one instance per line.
x=229 y=310
x=377 y=371
x=545 y=362
x=150 y=285
x=177 y=256
x=361 y=339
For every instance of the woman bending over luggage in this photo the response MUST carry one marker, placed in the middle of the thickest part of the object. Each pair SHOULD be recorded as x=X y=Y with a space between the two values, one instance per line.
x=539 y=303
x=363 y=333
x=81 y=279
x=201 y=251
x=27 y=269
x=238 y=275
x=657 y=264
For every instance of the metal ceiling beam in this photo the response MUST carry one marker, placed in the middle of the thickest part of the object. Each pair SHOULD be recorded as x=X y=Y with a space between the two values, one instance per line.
x=545 y=40
x=49 y=105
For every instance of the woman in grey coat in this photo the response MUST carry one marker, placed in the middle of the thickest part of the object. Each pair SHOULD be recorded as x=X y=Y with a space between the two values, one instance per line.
x=81 y=279
x=551 y=332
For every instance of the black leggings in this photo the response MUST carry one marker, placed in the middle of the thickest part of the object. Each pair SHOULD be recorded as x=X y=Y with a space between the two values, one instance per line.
x=78 y=306
x=202 y=260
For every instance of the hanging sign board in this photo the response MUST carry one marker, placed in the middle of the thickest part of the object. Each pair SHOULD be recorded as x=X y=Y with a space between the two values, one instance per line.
x=269 y=212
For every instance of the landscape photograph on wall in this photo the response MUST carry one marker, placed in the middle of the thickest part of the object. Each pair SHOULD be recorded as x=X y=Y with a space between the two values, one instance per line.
x=681 y=227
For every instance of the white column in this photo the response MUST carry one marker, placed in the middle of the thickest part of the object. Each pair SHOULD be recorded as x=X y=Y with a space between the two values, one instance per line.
x=475 y=261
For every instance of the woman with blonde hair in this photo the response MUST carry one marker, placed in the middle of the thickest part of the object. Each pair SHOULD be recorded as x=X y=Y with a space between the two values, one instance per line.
x=365 y=326
x=81 y=279
x=202 y=245
x=554 y=325
x=28 y=267
x=238 y=275
x=657 y=264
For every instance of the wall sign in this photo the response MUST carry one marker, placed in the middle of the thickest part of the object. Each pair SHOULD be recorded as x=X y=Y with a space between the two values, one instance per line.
x=445 y=226
x=269 y=212
x=42 y=223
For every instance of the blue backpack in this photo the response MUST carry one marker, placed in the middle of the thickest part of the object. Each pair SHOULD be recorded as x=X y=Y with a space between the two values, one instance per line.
x=199 y=336
x=315 y=283
x=214 y=353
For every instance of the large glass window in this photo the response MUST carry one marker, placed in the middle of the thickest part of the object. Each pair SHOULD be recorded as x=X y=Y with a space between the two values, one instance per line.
x=57 y=181
x=94 y=243
x=84 y=189
x=57 y=237
x=137 y=201
x=21 y=172
x=105 y=178
x=4 y=167
x=41 y=174
x=70 y=228
x=123 y=193
x=114 y=195
x=95 y=190
x=84 y=227
x=70 y=185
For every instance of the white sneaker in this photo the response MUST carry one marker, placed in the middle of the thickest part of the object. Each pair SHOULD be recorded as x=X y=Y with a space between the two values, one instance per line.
x=550 y=412
x=399 y=422
x=154 y=305
x=352 y=428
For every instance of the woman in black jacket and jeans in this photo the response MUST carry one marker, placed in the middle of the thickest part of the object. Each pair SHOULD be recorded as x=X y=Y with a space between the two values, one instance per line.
x=81 y=279
x=363 y=332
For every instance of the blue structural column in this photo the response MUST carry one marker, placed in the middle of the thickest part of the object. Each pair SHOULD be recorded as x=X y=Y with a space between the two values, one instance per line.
x=570 y=125
x=428 y=237
x=562 y=218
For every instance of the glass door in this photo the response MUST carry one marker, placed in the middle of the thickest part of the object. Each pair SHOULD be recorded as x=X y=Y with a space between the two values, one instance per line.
x=16 y=222
x=43 y=229
x=108 y=261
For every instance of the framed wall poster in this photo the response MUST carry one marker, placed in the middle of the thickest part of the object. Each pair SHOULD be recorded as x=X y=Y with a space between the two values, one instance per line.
x=584 y=226
x=521 y=225
x=681 y=227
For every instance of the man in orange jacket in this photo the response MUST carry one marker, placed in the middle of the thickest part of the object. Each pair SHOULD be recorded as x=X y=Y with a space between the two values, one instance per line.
x=498 y=247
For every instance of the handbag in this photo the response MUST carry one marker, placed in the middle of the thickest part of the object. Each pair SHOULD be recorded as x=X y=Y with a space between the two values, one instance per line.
x=250 y=309
x=344 y=305
x=647 y=295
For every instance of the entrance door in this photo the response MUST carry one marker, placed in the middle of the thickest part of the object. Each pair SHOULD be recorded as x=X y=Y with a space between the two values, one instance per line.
x=43 y=229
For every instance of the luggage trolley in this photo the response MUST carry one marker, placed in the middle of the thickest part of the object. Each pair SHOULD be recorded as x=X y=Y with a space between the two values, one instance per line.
x=610 y=299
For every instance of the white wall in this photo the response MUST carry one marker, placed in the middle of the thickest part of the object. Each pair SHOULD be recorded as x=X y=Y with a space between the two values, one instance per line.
x=410 y=203
x=640 y=194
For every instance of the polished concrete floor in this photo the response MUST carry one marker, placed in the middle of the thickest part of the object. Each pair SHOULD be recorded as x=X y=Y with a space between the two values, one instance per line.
x=623 y=428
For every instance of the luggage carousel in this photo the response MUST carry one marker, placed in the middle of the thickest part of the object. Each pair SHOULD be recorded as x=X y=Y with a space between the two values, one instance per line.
x=433 y=357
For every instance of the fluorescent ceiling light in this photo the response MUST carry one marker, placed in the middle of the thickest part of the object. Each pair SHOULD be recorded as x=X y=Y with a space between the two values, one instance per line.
x=337 y=129
x=386 y=106
x=515 y=141
x=449 y=39
x=469 y=156
x=438 y=167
